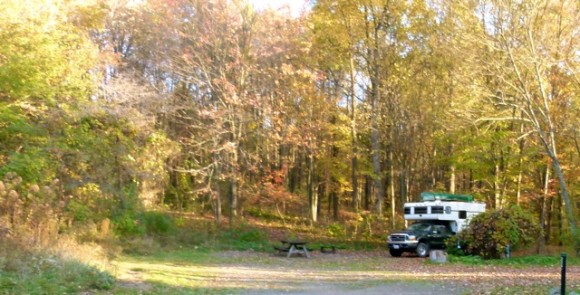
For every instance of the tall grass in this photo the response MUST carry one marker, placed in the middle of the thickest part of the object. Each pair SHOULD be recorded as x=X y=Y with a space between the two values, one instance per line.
x=63 y=269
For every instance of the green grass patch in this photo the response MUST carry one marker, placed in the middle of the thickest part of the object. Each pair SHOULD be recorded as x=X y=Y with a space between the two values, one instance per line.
x=187 y=271
x=533 y=260
x=241 y=238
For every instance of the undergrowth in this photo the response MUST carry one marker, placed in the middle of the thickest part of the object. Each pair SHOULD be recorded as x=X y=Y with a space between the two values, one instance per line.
x=44 y=271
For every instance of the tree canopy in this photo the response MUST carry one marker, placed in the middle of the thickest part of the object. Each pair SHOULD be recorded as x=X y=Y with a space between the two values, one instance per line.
x=343 y=113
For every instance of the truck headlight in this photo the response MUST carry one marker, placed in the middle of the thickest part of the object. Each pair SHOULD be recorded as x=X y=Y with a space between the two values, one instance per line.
x=412 y=238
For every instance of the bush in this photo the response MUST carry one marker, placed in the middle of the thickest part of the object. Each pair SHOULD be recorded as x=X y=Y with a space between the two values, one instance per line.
x=455 y=246
x=489 y=233
x=132 y=224
x=128 y=224
x=158 y=223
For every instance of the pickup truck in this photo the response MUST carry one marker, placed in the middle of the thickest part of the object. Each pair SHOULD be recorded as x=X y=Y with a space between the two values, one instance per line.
x=420 y=237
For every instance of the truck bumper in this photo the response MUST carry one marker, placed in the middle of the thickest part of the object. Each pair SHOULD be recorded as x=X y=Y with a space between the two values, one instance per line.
x=403 y=245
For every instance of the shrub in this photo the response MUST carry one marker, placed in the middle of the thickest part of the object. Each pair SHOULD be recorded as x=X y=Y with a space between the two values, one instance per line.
x=455 y=246
x=129 y=224
x=79 y=211
x=489 y=233
x=158 y=223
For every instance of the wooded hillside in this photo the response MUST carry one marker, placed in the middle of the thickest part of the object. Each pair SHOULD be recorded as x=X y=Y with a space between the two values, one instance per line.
x=110 y=108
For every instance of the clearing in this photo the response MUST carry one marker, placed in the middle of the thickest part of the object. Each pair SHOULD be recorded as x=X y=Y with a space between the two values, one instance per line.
x=347 y=272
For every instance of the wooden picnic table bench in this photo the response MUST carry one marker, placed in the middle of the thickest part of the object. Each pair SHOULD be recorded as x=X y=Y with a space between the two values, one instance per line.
x=295 y=247
x=327 y=249
x=281 y=248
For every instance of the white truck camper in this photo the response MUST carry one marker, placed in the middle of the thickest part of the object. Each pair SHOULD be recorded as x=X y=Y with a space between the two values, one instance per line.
x=436 y=218
x=456 y=209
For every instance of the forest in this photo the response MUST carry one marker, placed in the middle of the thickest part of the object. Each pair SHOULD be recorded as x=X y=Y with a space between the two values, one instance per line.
x=119 y=117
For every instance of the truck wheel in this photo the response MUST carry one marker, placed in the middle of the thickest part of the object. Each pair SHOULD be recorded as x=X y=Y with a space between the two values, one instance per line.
x=422 y=249
x=395 y=253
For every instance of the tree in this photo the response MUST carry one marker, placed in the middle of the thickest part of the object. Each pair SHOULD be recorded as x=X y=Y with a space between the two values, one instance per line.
x=530 y=44
x=44 y=64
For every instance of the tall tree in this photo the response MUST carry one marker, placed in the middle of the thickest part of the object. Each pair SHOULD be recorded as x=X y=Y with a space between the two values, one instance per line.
x=532 y=42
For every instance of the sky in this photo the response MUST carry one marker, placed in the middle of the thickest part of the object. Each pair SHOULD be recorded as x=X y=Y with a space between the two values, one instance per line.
x=295 y=6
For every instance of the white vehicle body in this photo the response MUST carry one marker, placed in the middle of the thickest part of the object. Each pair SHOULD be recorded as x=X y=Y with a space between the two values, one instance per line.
x=456 y=212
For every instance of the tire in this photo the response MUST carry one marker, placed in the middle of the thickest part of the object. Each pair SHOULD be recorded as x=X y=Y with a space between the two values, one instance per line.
x=395 y=253
x=422 y=249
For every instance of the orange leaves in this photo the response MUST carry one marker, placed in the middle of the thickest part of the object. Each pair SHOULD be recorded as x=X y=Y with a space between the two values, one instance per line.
x=273 y=190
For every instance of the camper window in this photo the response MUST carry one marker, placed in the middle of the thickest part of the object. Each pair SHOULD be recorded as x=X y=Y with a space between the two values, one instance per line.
x=437 y=210
x=420 y=210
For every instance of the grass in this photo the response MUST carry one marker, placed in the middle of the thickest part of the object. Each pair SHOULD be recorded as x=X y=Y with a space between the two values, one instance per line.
x=195 y=260
x=523 y=261
x=54 y=276
x=199 y=271
x=62 y=267
x=247 y=236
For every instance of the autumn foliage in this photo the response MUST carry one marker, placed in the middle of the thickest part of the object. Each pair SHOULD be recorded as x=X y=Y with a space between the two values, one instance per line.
x=214 y=108
x=490 y=233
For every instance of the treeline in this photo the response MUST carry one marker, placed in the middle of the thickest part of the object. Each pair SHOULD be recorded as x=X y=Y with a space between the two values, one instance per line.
x=350 y=109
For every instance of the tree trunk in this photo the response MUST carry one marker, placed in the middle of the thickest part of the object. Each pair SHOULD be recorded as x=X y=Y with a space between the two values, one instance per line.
x=295 y=174
x=233 y=198
x=496 y=187
x=367 y=193
x=403 y=187
x=233 y=184
x=377 y=166
x=392 y=187
x=434 y=170
x=519 y=183
x=355 y=197
x=566 y=198
x=335 y=205
x=320 y=191
x=218 y=205
x=312 y=193
x=375 y=148
x=549 y=143
x=520 y=165
x=545 y=196
x=560 y=220
x=549 y=220
x=452 y=179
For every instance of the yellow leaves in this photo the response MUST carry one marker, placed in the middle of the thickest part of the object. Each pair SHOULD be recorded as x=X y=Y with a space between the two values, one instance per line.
x=46 y=57
x=287 y=69
x=88 y=15
x=44 y=13
x=291 y=70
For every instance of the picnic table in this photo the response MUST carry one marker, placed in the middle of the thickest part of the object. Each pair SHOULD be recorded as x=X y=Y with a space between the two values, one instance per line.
x=296 y=247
